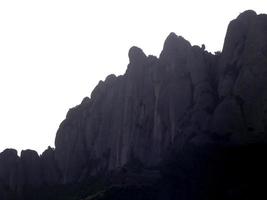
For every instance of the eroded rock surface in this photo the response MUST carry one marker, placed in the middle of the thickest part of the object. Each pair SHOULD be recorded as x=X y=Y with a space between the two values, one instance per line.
x=185 y=97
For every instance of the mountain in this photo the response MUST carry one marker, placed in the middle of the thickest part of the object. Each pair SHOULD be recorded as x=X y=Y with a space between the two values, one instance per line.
x=187 y=125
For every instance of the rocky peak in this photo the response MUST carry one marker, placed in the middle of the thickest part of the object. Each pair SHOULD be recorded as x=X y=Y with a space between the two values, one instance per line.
x=174 y=42
x=247 y=16
x=9 y=154
x=185 y=98
x=136 y=55
x=50 y=172
x=137 y=63
x=8 y=164
x=243 y=73
x=175 y=50
x=30 y=166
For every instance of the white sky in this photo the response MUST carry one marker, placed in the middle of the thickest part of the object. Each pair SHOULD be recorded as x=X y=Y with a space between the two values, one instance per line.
x=53 y=53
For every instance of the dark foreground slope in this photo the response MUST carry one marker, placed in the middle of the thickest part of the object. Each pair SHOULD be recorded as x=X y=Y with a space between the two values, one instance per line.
x=186 y=125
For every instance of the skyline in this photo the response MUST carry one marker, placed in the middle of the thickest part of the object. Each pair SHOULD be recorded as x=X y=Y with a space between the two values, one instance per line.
x=52 y=54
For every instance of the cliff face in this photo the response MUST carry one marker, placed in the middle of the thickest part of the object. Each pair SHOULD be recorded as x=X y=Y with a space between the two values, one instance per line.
x=29 y=171
x=185 y=97
x=139 y=114
x=242 y=83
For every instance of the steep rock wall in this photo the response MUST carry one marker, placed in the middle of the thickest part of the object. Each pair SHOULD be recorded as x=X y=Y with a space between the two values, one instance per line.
x=186 y=96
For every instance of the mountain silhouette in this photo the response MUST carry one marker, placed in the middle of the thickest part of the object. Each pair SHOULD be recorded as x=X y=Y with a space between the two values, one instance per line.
x=187 y=125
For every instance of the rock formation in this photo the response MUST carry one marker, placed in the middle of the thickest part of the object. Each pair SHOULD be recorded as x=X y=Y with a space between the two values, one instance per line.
x=185 y=97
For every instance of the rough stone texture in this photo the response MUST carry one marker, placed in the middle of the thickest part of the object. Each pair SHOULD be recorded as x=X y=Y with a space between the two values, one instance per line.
x=8 y=168
x=50 y=171
x=186 y=96
x=70 y=155
x=127 y=113
x=227 y=120
x=147 y=105
x=243 y=74
x=30 y=168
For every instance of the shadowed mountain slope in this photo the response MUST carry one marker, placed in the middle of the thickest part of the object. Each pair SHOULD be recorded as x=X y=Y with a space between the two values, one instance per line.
x=183 y=119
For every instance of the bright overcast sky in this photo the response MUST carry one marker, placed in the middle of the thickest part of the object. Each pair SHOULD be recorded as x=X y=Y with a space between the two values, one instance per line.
x=53 y=53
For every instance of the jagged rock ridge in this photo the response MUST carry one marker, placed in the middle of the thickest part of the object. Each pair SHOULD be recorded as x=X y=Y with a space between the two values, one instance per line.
x=187 y=96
